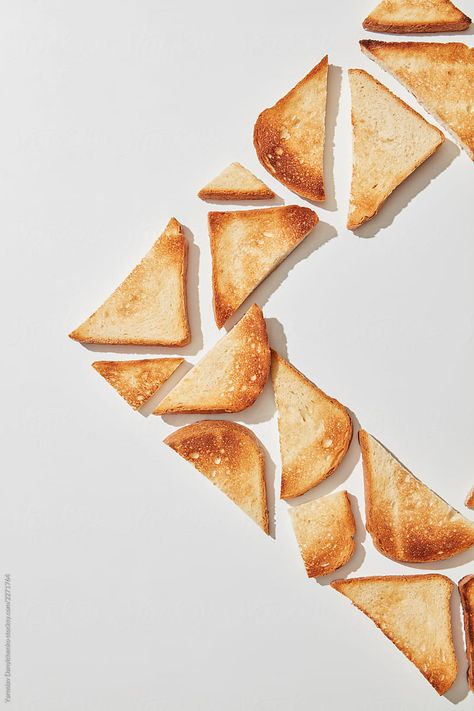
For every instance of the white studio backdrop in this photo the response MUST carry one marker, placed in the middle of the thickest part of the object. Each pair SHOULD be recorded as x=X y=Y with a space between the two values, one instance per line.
x=135 y=583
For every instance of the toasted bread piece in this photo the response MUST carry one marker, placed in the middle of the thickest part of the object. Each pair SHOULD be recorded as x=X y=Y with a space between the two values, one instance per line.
x=315 y=429
x=230 y=377
x=412 y=16
x=149 y=306
x=324 y=529
x=137 y=380
x=389 y=140
x=470 y=499
x=236 y=183
x=439 y=75
x=407 y=521
x=289 y=136
x=231 y=457
x=414 y=612
x=246 y=246
x=466 y=591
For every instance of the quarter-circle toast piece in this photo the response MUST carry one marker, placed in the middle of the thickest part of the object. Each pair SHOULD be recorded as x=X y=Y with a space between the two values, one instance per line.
x=413 y=16
x=149 y=306
x=390 y=140
x=315 y=429
x=231 y=375
x=137 y=380
x=414 y=612
x=324 y=529
x=247 y=245
x=231 y=457
x=236 y=183
x=469 y=502
x=466 y=591
x=289 y=136
x=441 y=77
x=407 y=521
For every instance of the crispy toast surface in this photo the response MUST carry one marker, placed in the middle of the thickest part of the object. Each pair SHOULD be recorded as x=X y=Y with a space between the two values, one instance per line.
x=414 y=612
x=149 y=306
x=324 y=529
x=247 y=245
x=407 y=521
x=441 y=77
x=231 y=457
x=390 y=140
x=470 y=499
x=236 y=183
x=289 y=136
x=466 y=591
x=412 y=16
x=230 y=376
x=315 y=429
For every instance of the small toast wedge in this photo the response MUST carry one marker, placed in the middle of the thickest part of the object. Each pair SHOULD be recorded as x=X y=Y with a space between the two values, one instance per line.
x=415 y=16
x=315 y=429
x=289 y=136
x=390 y=140
x=137 y=380
x=247 y=245
x=149 y=306
x=414 y=612
x=441 y=77
x=407 y=521
x=324 y=529
x=466 y=591
x=231 y=457
x=470 y=499
x=236 y=183
x=231 y=375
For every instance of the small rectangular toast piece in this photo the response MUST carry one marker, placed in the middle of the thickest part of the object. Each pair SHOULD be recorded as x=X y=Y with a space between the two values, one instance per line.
x=466 y=591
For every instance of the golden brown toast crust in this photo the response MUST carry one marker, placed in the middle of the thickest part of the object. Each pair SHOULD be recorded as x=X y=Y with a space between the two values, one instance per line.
x=273 y=140
x=470 y=499
x=230 y=377
x=466 y=591
x=247 y=245
x=231 y=457
x=444 y=17
x=438 y=666
x=236 y=183
x=137 y=380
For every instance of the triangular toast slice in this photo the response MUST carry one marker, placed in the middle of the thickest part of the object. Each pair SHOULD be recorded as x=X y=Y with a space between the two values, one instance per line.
x=414 y=612
x=230 y=456
x=470 y=499
x=466 y=591
x=407 y=521
x=440 y=75
x=231 y=375
x=289 y=136
x=149 y=306
x=137 y=380
x=236 y=183
x=389 y=139
x=324 y=529
x=246 y=246
x=315 y=429
x=412 y=16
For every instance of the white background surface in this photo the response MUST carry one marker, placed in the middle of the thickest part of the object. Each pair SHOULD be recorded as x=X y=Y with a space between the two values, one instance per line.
x=135 y=583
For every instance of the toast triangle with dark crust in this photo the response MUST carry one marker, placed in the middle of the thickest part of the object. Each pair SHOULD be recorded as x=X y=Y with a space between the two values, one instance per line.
x=231 y=457
x=236 y=183
x=324 y=529
x=412 y=16
x=230 y=376
x=137 y=380
x=441 y=77
x=407 y=521
x=466 y=591
x=289 y=136
x=390 y=140
x=315 y=429
x=247 y=245
x=149 y=306
x=414 y=612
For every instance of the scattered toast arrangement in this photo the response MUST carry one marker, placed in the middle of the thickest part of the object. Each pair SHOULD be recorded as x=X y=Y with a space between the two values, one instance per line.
x=407 y=521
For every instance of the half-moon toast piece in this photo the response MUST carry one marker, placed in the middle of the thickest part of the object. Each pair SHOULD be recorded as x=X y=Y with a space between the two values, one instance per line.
x=236 y=183
x=412 y=16
x=230 y=456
